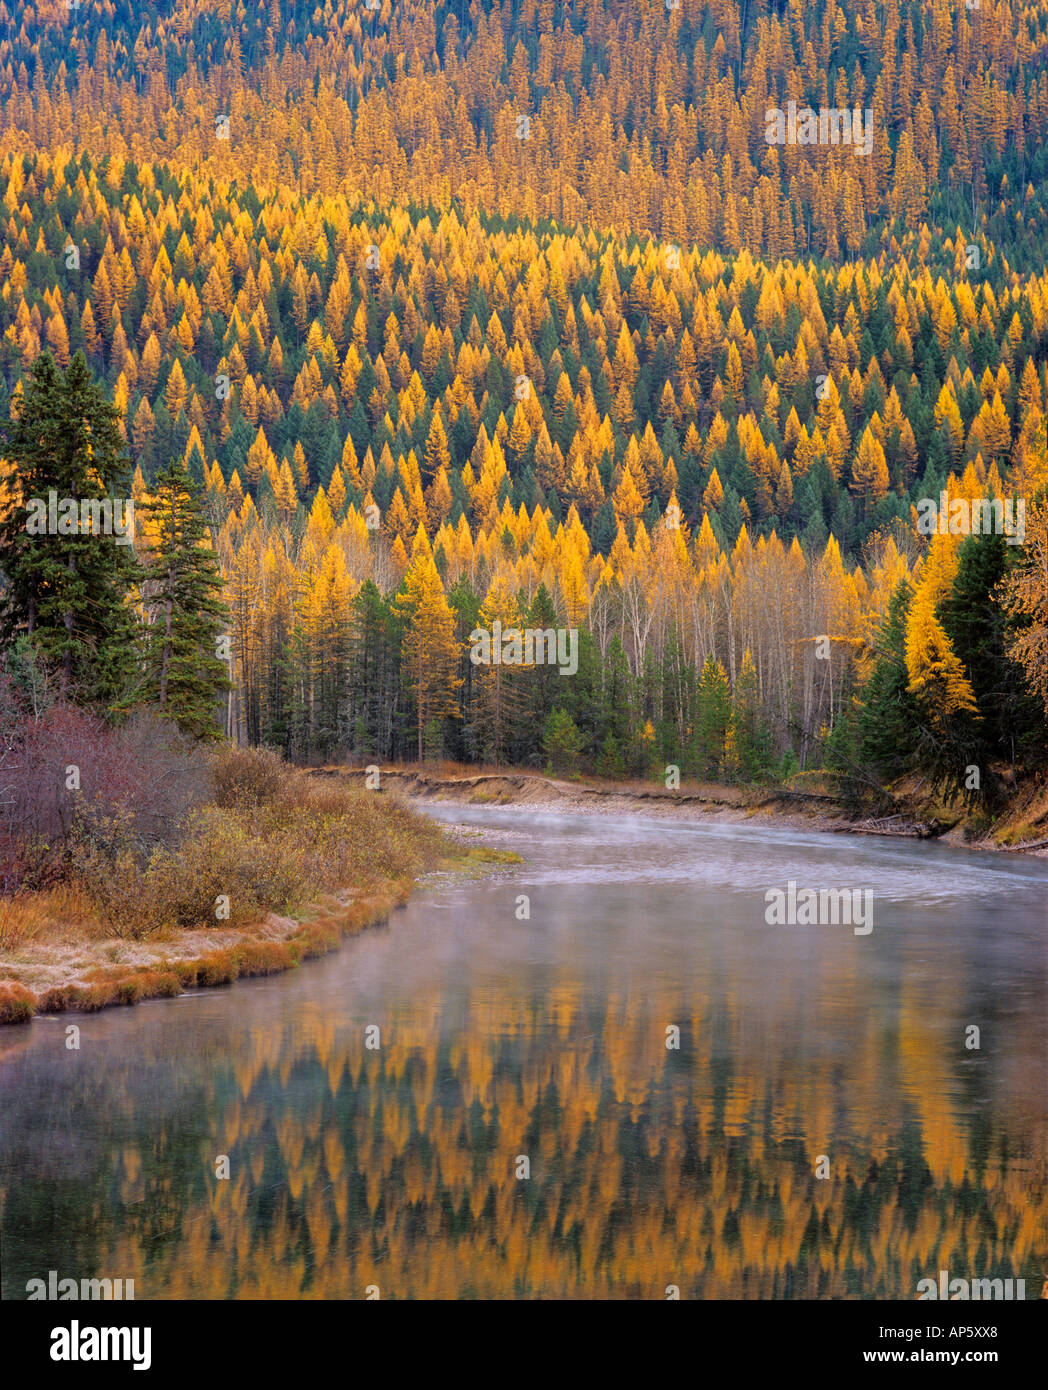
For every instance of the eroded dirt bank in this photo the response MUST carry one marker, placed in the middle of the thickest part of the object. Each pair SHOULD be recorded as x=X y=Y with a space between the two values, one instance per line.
x=709 y=801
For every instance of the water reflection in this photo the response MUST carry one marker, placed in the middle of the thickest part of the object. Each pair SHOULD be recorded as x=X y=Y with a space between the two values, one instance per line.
x=545 y=1039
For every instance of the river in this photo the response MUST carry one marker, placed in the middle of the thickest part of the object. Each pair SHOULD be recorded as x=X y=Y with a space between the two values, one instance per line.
x=627 y=1086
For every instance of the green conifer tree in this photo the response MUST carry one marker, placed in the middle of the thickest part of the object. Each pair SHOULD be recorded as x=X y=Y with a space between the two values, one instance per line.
x=748 y=743
x=713 y=713
x=888 y=716
x=66 y=585
x=185 y=672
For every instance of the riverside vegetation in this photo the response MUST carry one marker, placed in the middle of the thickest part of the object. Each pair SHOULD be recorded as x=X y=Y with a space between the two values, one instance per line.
x=123 y=896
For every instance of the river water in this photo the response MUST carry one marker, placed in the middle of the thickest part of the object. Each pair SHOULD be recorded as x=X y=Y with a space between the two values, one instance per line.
x=627 y=1085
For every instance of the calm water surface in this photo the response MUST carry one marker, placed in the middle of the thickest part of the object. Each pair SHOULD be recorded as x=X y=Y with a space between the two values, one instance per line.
x=802 y=1049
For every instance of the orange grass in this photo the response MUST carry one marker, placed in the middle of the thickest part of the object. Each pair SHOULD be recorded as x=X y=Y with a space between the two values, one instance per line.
x=17 y=1004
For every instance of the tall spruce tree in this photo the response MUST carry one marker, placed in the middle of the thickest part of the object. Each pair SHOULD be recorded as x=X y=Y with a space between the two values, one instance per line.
x=888 y=716
x=185 y=675
x=975 y=624
x=543 y=684
x=374 y=698
x=67 y=573
x=498 y=686
x=748 y=748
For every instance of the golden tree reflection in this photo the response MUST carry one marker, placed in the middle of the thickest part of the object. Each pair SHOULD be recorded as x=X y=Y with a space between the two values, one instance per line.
x=648 y=1166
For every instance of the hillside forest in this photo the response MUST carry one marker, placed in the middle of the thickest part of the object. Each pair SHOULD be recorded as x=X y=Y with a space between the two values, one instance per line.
x=401 y=323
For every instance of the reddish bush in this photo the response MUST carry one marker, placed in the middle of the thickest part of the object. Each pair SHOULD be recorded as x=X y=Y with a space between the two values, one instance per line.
x=63 y=768
x=245 y=777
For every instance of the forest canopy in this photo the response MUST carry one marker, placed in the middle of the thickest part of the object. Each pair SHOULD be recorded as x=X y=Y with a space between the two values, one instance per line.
x=468 y=313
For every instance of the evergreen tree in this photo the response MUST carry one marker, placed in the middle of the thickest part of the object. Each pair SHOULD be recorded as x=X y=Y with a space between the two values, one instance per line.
x=713 y=713
x=610 y=762
x=373 y=689
x=580 y=694
x=748 y=743
x=69 y=591
x=185 y=674
x=542 y=685
x=617 y=695
x=497 y=686
x=562 y=741
x=888 y=717
x=976 y=625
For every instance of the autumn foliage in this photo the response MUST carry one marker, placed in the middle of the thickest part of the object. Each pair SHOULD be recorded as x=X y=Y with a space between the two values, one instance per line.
x=515 y=305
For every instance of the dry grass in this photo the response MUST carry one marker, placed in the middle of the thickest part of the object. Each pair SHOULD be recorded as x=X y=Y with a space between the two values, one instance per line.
x=102 y=987
x=20 y=921
x=274 y=839
x=17 y=1004
x=127 y=925
x=27 y=918
x=1026 y=820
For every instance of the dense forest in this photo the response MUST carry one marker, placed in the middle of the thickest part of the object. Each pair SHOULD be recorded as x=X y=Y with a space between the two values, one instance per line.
x=427 y=318
x=647 y=115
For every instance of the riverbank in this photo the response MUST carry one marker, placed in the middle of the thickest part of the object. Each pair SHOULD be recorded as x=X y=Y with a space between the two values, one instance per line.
x=81 y=972
x=1023 y=829
x=60 y=952
x=253 y=882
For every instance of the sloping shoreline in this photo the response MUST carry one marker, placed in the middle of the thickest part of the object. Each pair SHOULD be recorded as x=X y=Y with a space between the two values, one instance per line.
x=709 y=801
x=80 y=976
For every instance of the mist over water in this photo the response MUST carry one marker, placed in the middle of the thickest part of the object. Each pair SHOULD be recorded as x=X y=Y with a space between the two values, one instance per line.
x=546 y=1038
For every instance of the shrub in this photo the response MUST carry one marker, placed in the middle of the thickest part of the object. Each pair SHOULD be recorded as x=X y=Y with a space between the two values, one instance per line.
x=246 y=776
x=561 y=741
x=144 y=772
x=610 y=762
x=220 y=858
x=275 y=838
x=109 y=863
x=224 y=857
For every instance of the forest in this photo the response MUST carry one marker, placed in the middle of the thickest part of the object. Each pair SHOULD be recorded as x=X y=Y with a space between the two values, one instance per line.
x=509 y=314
